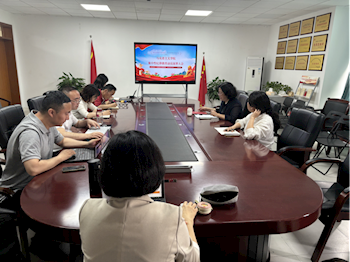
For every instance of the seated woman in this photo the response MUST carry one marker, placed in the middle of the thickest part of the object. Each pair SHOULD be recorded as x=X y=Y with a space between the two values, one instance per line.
x=261 y=123
x=230 y=108
x=88 y=95
x=129 y=225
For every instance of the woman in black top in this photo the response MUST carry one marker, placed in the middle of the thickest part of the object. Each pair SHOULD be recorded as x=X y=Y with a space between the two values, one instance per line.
x=230 y=108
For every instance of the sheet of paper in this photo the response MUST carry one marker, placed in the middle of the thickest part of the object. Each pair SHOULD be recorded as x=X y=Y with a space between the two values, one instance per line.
x=205 y=116
x=226 y=133
x=102 y=129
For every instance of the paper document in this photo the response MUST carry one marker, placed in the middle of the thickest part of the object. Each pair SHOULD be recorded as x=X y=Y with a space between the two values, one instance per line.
x=205 y=116
x=102 y=129
x=227 y=133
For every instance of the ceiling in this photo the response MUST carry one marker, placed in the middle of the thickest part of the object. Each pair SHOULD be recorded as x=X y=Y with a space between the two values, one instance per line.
x=253 y=12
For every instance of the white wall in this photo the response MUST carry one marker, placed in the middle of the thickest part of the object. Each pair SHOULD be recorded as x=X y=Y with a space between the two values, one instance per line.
x=46 y=46
x=6 y=17
x=332 y=57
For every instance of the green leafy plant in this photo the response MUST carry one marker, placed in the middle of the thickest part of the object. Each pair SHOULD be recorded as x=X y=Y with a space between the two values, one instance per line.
x=212 y=89
x=276 y=87
x=70 y=80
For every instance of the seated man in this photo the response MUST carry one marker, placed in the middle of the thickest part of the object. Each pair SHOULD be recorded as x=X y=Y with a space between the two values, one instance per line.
x=29 y=151
x=74 y=96
x=106 y=93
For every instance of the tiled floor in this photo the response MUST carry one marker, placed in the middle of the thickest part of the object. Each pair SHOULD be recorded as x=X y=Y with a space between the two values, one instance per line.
x=299 y=245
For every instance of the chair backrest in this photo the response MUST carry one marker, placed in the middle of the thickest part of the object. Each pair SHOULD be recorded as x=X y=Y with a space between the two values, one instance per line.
x=276 y=107
x=242 y=98
x=343 y=173
x=288 y=101
x=10 y=117
x=302 y=129
x=334 y=104
x=35 y=102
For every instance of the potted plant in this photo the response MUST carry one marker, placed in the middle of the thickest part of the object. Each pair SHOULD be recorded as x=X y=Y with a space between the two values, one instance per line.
x=212 y=89
x=70 y=80
x=276 y=87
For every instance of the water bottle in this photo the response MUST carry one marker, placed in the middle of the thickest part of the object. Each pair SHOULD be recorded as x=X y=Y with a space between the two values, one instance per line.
x=94 y=169
x=99 y=116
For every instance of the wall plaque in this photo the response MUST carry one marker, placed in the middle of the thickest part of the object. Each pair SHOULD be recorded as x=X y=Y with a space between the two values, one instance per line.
x=307 y=26
x=319 y=43
x=316 y=62
x=304 y=44
x=322 y=22
x=294 y=29
x=292 y=46
x=301 y=63
x=279 y=62
x=281 y=47
x=283 y=32
x=290 y=61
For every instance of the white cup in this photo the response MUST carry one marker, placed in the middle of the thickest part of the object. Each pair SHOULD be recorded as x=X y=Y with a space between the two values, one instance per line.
x=189 y=111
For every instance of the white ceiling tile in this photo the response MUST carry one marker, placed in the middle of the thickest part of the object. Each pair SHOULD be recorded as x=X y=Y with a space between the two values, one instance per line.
x=42 y=5
x=175 y=6
x=336 y=2
x=173 y=12
x=14 y=3
x=270 y=16
x=252 y=10
x=208 y=2
x=237 y=19
x=213 y=19
x=296 y=5
x=148 y=10
x=204 y=7
x=267 y=4
x=258 y=20
x=76 y=12
x=281 y=11
x=125 y=15
x=148 y=18
x=222 y=14
x=49 y=10
x=102 y=14
x=233 y=9
x=241 y=15
x=9 y=9
x=30 y=10
x=123 y=9
x=167 y=17
x=239 y=3
x=146 y=15
x=70 y=6
x=192 y=18
x=148 y=5
x=121 y=4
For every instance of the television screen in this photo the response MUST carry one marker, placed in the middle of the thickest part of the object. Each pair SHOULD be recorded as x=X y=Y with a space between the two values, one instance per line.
x=165 y=63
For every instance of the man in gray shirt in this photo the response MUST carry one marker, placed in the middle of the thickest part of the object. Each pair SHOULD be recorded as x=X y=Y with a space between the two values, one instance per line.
x=29 y=151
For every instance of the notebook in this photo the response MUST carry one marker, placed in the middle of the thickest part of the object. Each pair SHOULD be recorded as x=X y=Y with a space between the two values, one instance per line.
x=85 y=154
x=159 y=194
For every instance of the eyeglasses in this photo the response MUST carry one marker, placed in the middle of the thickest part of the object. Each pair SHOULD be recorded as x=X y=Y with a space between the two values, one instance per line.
x=77 y=100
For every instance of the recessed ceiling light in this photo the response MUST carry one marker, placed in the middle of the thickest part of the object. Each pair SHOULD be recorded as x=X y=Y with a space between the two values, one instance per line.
x=198 y=13
x=96 y=7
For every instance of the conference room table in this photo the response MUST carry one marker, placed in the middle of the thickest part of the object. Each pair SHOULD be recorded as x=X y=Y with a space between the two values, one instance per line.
x=274 y=197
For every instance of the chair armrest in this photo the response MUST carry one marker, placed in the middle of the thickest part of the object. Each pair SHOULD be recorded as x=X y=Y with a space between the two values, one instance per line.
x=7 y=211
x=317 y=110
x=6 y=191
x=285 y=149
x=9 y=103
x=341 y=199
x=2 y=161
x=311 y=162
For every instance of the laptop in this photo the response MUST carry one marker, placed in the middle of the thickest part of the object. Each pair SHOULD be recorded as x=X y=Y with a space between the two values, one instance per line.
x=159 y=194
x=86 y=154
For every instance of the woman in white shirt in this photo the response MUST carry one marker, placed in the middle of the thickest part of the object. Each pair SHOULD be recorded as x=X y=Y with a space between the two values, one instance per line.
x=88 y=95
x=261 y=123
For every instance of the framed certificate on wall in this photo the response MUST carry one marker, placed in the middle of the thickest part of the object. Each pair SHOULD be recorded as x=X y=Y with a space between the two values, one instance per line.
x=281 y=47
x=292 y=46
x=279 y=62
x=316 y=63
x=322 y=23
x=319 y=43
x=290 y=61
x=294 y=29
x=307 y=26
x=283 y=32
x=301 y=63
x=304 y=44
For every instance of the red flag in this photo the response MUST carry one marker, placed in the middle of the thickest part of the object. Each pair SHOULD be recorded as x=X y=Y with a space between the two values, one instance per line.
x=93 y=73
x=202 y=86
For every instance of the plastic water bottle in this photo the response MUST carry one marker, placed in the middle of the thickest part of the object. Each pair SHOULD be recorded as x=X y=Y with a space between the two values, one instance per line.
x=99 y=116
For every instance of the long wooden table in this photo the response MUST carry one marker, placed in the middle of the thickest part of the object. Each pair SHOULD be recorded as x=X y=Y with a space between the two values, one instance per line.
x=274 y=197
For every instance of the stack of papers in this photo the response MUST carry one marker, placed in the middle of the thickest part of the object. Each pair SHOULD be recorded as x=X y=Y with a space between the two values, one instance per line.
x=205 y=116
x=227 y=133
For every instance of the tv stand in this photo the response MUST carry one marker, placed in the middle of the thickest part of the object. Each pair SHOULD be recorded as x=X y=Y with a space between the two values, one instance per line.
x=165 y=95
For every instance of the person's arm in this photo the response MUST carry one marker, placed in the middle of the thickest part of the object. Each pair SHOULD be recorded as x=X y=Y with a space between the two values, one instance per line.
x=189 y=212
x=82 y=110
x=218 y=115
x=263 y=128
x=208 y=109
x=235 y=126
x=37 y=166
x=87 y=123
x=106 y=106
x=254 y=115
x=72 y=143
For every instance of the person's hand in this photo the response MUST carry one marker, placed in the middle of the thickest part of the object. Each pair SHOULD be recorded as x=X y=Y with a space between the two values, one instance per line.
x=107 y=102
x=66 y=154
x=189 y=212
x=229 y=129
x=92 y=123
x=93 y=142
x=256 y=113
x=203 y=108
x=106 y=112
x=93 y=135
x=213 y=112
x=113 y=104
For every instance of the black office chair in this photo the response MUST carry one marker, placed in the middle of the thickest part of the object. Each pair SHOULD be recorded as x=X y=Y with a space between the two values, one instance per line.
x=286 y=104
x=5 y=100
x=335 y=207
x=10 y=117
x=276 y=107
x=35 y=103
x=242 y=98
x=296 y=141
